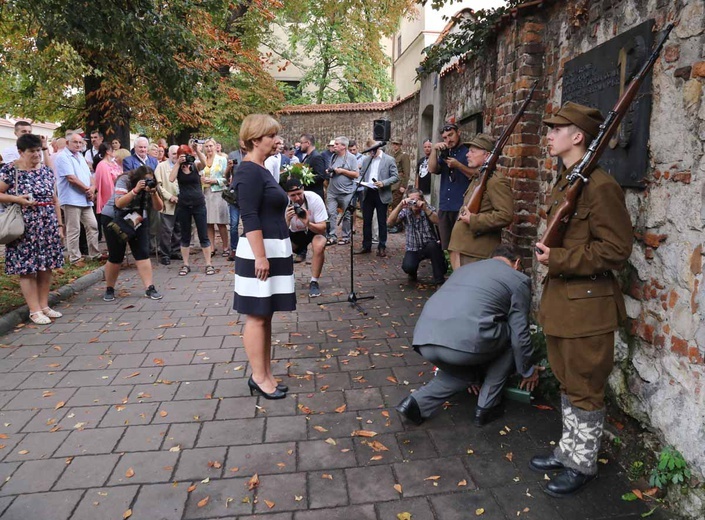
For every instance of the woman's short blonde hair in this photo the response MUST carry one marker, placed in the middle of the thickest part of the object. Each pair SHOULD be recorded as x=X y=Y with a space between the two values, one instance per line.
x=209 y=140
x=122 y=154
x=256 y=126
x=153 y=146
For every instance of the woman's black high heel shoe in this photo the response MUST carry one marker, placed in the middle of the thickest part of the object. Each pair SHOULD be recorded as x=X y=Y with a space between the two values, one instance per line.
x=277 y=394
x=282 y=387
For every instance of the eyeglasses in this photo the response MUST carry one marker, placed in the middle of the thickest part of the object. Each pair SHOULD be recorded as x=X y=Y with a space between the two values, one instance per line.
x=449 y=127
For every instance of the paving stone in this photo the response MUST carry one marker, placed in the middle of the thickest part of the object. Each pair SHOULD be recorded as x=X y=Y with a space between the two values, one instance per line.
x=11 y=422
x=182 y=435
x=327 y=489
x=221 y=355
x=371 y=484
x=85 y=378
x=153 y=393
x=232 y=387
x=263 y=459
x=36 y=446
x=531 y=504
x=168 y=358
x=412 y=476
x=366 y=512
x=364 y=399
x=275 y=516
x=281 y=429
x=381 y=421
x=83 y=417
x=42 y=420
x=34 y=476
x=201 y=463
x=218 y=505
x=237 y=408
x=89 y=442
x=100 y=395
x=322 y=402
x=416 y=445
x=231 y=433
x=129 y=414
x=195 y=390
x=7 y=469
x=88 y=471
x=382 y=449
x=137 y=376
x=319 y=455
x=105 y=503
x=142 y=438
x=459 y=506
x=335 y=425
x=160 y=502
x=419 y=509
x=57 y=506
x=197 y=342
x=15 y=380
x=186 y=372
x=186 y=411
x=287 y=492
x=276 y=407
x=46 y=398
x=148 y=467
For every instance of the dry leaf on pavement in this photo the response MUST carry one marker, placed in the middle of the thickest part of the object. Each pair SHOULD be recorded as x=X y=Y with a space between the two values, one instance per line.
x=127 y=514
x=253 y=482
x=363 y=433
x=397 y=488
x=203 y=502
x=130 y=473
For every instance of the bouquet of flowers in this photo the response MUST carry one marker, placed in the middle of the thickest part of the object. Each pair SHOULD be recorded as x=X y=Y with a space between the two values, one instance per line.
x=299 y=171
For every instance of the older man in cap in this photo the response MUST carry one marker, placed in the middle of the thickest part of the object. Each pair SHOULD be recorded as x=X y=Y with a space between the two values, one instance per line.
x=582 y=304
x=475 y=235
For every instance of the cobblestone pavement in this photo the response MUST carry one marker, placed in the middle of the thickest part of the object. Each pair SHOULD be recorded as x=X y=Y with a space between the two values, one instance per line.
x=143 y=406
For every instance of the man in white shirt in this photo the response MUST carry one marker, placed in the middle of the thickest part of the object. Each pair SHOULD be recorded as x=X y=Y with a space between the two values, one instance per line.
x=308 y=229
x=96 y=141
x=274 y=162
x=76 y=195
x=11 y=153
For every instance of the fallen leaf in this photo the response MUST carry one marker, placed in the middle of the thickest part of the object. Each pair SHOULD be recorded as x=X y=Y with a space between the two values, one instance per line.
x=60 y=404
x=205 y=480
x=130 y=473
x=23 y=452
x=191 y=488
x=543 y=407
x=253 y=482
x=330 y=441
x=479 y=511
x=509 y=456
x=320 y=429
x=158 y=361
x=175 y=449
x=393 y=380
x=203 y=502
x=404 y=516
x=3 y=436
x=603 y=461
x=363 y=433
x=328 y=476
x=305 y=409
x=166 y=325
x=341 y=409
x=434 y=477
x=127 y=514
x=651 y=491
x=397 y=488
x=385 y=414
x=163 y=413
x=638 y=494
x=376 y=457
x=133 y=374
x=269 y=503
x=377 y=446
x=462 y=483
x=298 y=498
x=93 y=340
x=214 y=464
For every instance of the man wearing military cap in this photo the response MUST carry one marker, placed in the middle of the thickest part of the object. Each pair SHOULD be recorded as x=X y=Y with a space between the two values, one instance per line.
x=582 y=304
x=475 y=236
x=399 y=189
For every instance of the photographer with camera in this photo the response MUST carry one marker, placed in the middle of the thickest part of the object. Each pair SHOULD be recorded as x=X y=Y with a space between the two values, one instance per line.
x=306 y=218
x=419 y=219
x=191 y=205
x=342 y=171
x=448 y=159
x=125 y=221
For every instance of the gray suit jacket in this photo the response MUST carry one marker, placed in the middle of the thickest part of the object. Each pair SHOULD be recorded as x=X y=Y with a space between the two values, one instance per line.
x=387 y=174
x=482 y=307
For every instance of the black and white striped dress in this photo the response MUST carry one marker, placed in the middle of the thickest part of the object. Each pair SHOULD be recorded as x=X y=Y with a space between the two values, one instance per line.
x=262 y=206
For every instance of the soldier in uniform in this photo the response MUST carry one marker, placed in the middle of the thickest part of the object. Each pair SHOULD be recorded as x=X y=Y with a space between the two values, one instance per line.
x=399 y=189
x=582 y=304
x=475 y=236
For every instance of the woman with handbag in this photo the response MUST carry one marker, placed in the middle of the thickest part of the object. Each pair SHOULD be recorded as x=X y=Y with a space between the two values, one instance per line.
x=124 y=220
x=38 y=250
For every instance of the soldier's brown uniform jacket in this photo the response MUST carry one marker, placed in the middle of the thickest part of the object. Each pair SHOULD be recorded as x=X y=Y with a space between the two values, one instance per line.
x=484 y=232
x=581 y=296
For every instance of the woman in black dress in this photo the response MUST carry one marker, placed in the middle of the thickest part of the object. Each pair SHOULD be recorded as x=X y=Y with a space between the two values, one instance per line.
x=264 y=267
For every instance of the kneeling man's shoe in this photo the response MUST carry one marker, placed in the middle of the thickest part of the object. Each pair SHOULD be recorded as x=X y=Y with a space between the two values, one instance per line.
x=486 y=415
x=409 y=408
x=568 y=483
x=545 y=463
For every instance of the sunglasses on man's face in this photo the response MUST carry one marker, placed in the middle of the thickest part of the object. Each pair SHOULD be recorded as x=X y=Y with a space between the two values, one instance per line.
x=448 y=128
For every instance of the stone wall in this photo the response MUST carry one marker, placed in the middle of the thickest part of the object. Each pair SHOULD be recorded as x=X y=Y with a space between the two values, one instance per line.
x=659 y=371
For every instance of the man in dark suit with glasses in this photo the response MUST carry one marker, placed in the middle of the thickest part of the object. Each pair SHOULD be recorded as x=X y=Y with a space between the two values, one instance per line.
x=448 y=159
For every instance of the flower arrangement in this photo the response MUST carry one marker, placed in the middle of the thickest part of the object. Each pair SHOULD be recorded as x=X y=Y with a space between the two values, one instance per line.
x=299 y=171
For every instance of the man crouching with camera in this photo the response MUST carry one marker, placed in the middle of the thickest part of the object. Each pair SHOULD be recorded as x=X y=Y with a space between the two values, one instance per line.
x=124 y=219
x=306 y=217
x=419 y=217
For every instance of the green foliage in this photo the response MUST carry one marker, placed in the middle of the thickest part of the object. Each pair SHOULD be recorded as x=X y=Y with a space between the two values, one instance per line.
x=635 y=470
x=468 y=39
x=345 y=37
x=671 y=469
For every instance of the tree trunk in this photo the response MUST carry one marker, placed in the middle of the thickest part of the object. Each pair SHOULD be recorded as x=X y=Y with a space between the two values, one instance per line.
x=111 y=118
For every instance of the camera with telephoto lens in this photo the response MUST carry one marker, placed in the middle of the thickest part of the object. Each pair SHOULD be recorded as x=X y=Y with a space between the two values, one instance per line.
x=150 y=182
x=300 y=212
x=190 y=159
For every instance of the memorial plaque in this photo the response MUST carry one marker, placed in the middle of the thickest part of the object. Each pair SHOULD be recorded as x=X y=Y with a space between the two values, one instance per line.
x=597 y=78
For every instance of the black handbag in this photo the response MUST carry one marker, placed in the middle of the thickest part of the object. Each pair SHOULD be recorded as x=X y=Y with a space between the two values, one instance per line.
x=229 y=195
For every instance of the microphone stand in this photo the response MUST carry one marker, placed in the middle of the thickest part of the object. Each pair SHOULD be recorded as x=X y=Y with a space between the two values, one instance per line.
x=353 y=298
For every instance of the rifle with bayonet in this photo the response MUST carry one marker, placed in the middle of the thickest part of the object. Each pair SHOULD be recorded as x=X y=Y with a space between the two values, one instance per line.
x=553 y=236
x=488 y=167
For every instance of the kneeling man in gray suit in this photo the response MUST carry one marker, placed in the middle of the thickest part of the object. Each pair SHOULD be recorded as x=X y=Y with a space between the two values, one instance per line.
x=477 y=321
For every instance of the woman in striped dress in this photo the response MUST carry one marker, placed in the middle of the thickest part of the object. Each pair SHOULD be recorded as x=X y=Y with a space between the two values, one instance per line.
x=264 y=279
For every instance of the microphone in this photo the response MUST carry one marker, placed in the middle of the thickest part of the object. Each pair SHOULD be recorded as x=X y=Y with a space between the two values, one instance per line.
x=375 y=147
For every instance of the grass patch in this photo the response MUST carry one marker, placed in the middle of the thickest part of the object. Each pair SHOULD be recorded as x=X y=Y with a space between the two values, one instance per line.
x=11 y=295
